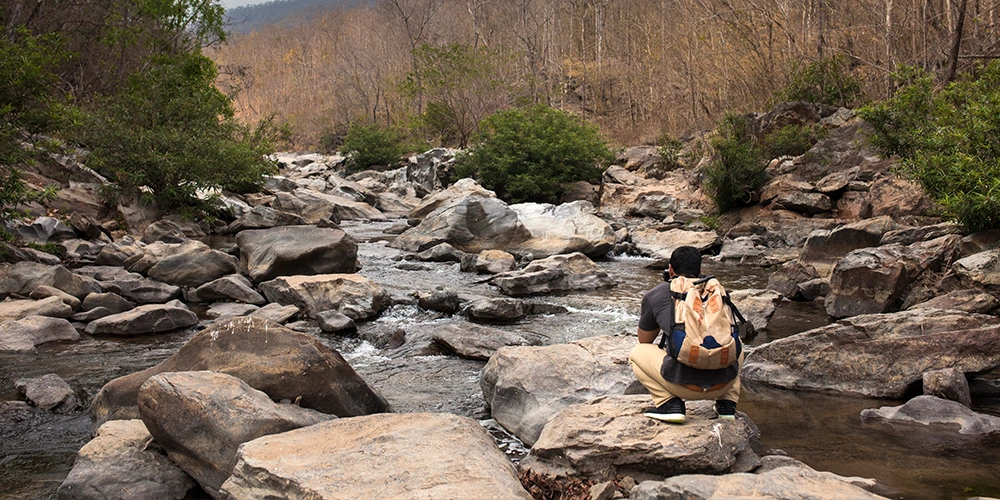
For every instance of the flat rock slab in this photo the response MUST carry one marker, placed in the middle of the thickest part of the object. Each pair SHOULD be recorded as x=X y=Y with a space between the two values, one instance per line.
x=660 y=244
x=877 y=355
x=416 y=455
x=121 y=458
x=472 y=341
x=24 y=334
x=932 y=411
x=355 y=296
x=52 y=307
x=610 y=435
x=147 y=319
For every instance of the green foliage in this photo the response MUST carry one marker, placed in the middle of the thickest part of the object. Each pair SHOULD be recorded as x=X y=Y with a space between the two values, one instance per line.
x=948 y=142
x=370 y=145
x=669 y=149
x=169 y=133
x=826 y=81
x=529 y=154
x=791 y=140
x=737 y=170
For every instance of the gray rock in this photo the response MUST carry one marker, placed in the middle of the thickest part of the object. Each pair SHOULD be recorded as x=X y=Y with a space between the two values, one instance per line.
x=786 y=279
x=110 y=301
x=980 y=270
x=123 y=458
x=296 y=250
x=335 y=322
x=457 y=459
x=145 y=319
x=931 y=411
x=146 y=291
x=201 y=418
x=898 y=197
x=220 y=311
x=559 y=273
x=567 y=228
x=261 y=217
x=968 y=300
x=52 y=307
x=276 y=313
x=757 y=306
x=948 y=383
x=609 y=435
x=911 y=235
x=193 y=264
x=524 y=386
x=163 y=230
x=807 y=203
x=460 y=189
x=660 y=244
x=441 y=300
x=48 y=392
x=472 y=341
x=92 y=314
x=877 y=355
x=115 y=254
x=23 y=277
x=46 y=230
x=439 y=253
x=823 y=249
x=494 y=262
x=85 y=226
x=496 y=310
x=353 y=295
x=234 y=287
x=43 y=291
x=814 y=289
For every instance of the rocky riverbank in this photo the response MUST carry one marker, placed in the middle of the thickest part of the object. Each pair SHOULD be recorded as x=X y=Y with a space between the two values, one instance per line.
x=253 y=403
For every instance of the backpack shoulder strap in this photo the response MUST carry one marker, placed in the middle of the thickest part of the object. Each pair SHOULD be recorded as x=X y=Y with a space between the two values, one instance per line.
x=750 y=332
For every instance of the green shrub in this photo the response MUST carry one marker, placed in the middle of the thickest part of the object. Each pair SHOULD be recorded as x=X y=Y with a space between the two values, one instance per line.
x=791 y=140
x=529 y=154
x=826 y=81
x=948 y=142
x=370 y=145
x=737 y=169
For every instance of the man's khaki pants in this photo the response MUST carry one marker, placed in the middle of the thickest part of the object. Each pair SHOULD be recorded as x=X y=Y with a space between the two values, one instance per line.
x=646 y=360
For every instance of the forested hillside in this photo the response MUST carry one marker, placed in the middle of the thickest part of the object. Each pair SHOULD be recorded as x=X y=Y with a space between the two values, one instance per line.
x=638 y=68
x=283 y=13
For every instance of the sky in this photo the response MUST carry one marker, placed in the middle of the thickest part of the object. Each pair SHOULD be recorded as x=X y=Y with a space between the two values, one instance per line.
x=229 y=4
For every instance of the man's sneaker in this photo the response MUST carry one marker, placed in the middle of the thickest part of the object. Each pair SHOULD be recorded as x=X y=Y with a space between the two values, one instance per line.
x=672 y=411
x=726 y=409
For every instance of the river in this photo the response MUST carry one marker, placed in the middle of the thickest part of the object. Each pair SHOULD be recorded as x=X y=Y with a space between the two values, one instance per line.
x=37 y=449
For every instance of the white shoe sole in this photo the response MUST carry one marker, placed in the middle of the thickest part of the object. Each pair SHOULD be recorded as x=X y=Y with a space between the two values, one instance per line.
x=727 y=417
x=672 y=418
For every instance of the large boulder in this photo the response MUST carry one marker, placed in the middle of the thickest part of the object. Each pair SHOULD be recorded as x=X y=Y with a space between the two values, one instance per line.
x=981 y=270
x=340 y=208
x=824 y=248
x=142 y=320
x=261 y=217
x=350 y=294
x=968 y=300
x=193 y=264
x=932 y=411
x=462 y=188
x=234 y=287
x=567 y=228
x=524 y=386
x=472 y=341
x=609 y=435
x=122 y=461
x=52 y=307
x=949 y=383
x=23 y=277
x=897 y=197
x=559 y=273
x=145 y=291
x=22 y=335
x=48 y=392
x=296 y=250
x=280 y=362
x=877 y=355
x=470 y=223
x=757 y=306
x=201 y=417
x=660 y=244
x=413 y=455
x=116 y=253
x=787 y=278
x=873 y=280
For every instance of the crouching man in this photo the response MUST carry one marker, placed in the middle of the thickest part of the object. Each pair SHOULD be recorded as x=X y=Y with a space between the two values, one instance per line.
x=668 y=379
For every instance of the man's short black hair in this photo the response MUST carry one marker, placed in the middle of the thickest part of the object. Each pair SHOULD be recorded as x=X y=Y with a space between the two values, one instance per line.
x=686 y=261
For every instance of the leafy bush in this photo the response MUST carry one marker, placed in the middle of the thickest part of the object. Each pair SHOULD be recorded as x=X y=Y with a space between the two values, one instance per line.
x=370 y=145
x=948 y=142
x=529 y=154
x=791 y=140
x=737 y=170
x=826 y=81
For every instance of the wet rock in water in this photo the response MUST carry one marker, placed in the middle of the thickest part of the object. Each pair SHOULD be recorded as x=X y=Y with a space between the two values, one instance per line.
x=52 y=307
x=471 y=223
x=201 y=417
x=221 y=311
x=787 y=483
x=110 y=301
x=786 y=279
x=48 y=392
x=234 y=287
x=123 y=458
x=296 y=250
x=261 y=217
x=276 y=313
x=270 y=358
x=494 y=262
x=142 y=320
x=874 y=280
x=877 y=355
x=193 y=264
x=980 y=270
x=352 y=295
x=472 y=341
x=609 y=435
x=440 y=299
x=559 y=273
x=814 y=289
x=770 y=463
x=524 y=386
x=935 y=413
x=660 y=244
x=824 y=248
x=163 y=230
x=567 y=228
x=496 y=310
x=948 y=383
x=23 y=277
x=146 y=291
x=421 y=455
x=43 y=292
x=756 y=305
x=335 y=322
x=440 y=253
x=969 y=300
x=24 y=334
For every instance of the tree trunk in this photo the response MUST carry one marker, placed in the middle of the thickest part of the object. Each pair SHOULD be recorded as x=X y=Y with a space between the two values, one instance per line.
x=956 y=42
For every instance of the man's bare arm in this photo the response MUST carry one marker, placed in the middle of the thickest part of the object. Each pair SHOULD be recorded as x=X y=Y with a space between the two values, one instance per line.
x=647 y=336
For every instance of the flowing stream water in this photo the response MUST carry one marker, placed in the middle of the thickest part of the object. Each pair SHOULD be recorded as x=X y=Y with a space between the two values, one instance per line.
x=37 y=449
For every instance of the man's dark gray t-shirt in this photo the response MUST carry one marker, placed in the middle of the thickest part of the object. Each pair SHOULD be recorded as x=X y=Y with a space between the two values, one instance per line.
x=657 y=313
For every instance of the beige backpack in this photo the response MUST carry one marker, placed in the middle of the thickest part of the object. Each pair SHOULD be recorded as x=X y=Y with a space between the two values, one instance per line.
x=705 y=334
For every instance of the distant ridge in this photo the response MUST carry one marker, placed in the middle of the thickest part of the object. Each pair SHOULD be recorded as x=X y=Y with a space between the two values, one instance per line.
x=284 y=13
